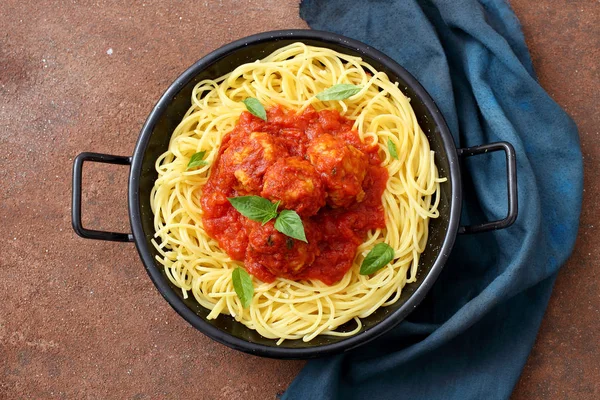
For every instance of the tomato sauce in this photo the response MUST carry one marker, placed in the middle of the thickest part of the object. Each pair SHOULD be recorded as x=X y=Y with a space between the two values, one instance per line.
x=313 y=163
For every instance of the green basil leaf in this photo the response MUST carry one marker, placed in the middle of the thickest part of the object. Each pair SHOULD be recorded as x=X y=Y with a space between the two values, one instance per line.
x=242 y=284
x=377 y=258
x=197 y=160
x=255 y=208
x=392 y=149
x=255 y=108
x=290 y=224
x=339 y=92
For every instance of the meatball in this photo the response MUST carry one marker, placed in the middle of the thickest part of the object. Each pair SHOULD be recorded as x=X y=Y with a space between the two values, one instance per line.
x=248 y=157
x=278 y=254
x=295 y=183
x=342 y=167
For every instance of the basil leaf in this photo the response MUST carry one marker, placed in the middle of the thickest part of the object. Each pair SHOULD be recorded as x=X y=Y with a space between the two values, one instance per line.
x=197 y=160
x=255 y=108
x=290 y=224
x=392 y=149
x=255 y=208
x=242 y=284
x=339 y=92
x=377 y=258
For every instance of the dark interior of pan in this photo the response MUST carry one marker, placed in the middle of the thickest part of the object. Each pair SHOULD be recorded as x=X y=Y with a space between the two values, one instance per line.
x=170 y=114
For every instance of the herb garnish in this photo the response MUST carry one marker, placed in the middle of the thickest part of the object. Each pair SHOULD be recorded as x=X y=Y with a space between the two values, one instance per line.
x=392 y=149
x=290 y=224
x=377 y=258
x=197 y=160
x=262 y=210
x=255 y=208
x=242 y=284
x=255 y=108
x=339 y=92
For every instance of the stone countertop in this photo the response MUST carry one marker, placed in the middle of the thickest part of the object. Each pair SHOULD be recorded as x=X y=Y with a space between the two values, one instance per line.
x=80 y=319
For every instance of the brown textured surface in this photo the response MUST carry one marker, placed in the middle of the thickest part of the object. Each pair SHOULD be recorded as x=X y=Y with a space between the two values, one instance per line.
x=80 y=319
x=564 y=40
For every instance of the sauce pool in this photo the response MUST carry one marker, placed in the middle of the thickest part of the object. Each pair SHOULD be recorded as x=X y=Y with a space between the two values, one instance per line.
x=312 y=162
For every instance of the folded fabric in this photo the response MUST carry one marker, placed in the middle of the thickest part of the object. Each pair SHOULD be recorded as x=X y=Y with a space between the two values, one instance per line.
x=471 y=336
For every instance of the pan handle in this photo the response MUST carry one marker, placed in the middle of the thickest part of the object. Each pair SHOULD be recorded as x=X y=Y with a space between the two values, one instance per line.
x=76 y=204
x=511 y=179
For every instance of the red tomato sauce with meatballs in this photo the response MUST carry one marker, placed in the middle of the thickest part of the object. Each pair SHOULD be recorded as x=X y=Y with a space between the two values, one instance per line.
x=311 y=162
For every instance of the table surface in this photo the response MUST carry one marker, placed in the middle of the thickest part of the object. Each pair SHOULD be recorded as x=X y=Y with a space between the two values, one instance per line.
x=80 y=319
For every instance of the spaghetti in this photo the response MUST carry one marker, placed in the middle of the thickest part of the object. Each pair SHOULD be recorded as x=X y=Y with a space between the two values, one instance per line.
x=291 y=77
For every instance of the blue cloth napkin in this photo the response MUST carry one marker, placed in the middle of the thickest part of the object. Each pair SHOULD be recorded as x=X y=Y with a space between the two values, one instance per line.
x=471 y=336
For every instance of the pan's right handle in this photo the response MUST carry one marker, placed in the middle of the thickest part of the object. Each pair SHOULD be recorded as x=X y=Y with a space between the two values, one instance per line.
x=76 y=204
x=511 y=183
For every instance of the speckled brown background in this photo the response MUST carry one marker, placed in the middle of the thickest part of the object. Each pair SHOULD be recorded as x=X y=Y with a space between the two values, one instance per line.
x=80 y=319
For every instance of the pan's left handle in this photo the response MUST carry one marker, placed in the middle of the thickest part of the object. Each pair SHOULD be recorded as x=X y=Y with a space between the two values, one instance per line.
x=76 y=204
